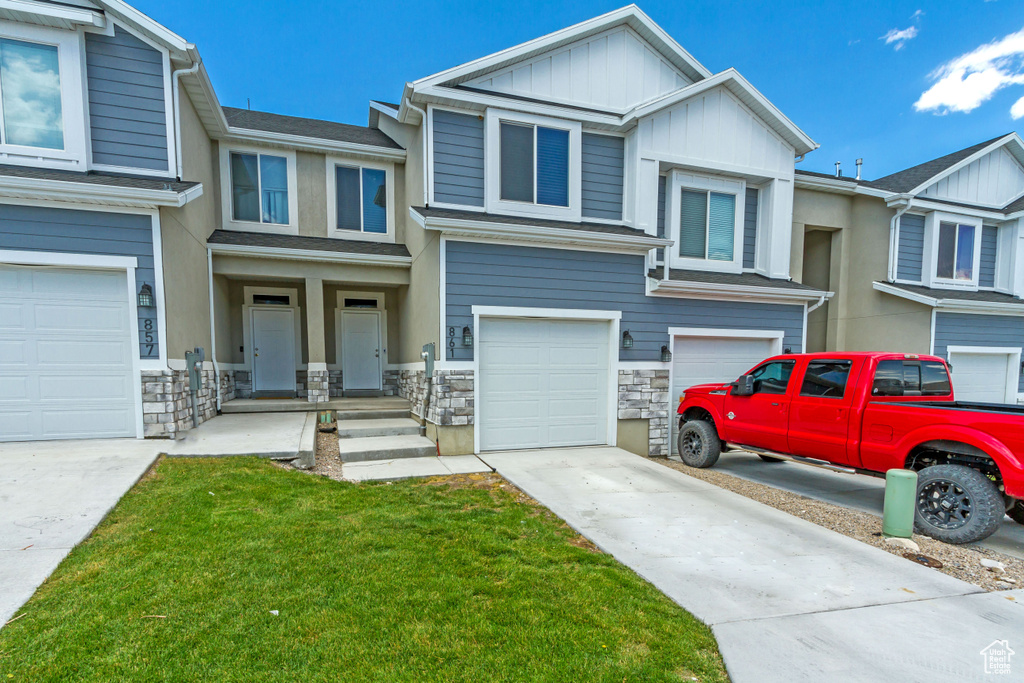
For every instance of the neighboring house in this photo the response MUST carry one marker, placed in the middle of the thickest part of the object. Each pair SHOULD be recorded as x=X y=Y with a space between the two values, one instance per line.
x=927 y=260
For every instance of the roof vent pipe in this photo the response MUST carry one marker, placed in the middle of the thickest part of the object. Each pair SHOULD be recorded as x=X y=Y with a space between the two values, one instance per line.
x=839 y=173
x=860 y=162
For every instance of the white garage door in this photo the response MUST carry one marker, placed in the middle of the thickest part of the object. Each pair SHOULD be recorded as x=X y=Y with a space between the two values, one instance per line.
x=980 y=377
x=65 y=354
x=542 y=383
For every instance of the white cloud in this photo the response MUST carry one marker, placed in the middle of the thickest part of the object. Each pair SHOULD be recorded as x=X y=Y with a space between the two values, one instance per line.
x=965 y=83
x=898 y=38
x=917 y=14
x=1017 y=110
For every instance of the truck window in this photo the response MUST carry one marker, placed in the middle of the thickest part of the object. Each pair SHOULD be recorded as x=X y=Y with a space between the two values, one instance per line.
x=826 y=378
x=910 y=378
x=773 y=378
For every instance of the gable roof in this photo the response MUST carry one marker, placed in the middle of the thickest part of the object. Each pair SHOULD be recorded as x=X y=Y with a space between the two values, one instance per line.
x=247 y=119
x=922 y=175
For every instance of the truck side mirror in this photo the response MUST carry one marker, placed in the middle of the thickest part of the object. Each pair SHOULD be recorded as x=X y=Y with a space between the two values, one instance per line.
x=744 y=386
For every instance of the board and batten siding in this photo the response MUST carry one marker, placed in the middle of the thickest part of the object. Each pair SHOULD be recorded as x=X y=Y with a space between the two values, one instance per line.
x=966 y=329
x=910 y=252
x=992 y=180
x=458 y=158
x=750 y=228
x=602 y=176
x=989 y=249
x=479 y=274
x=127 y=107
x=35 y=228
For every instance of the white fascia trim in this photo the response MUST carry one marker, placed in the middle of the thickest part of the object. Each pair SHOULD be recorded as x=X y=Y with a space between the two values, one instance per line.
x=923 y=204
x=72 y=15
x=953 y=305
x=314 y=144
x=561 y=313
x=53 y=258
x=479 y=101
x=734 y=292
x=744 y=333
x=384 y=109
x=128 y=14
x=837 y=185
x=967 y=161
x=470 y=228
x=70 y=191
x=312 y=255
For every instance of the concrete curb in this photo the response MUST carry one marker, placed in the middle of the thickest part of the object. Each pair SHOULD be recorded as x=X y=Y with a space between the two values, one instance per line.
x=307 y=444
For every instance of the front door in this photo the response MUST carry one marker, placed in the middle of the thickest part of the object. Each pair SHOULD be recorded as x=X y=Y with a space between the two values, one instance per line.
x=360 y=350
x=273 y=351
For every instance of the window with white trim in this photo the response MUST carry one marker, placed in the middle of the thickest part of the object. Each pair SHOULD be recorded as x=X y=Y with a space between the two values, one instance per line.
x=259 y=188
x=361 y=199
x=534 y=164
x=31 y=114
x=955 y=254
x=707 y=225
x=952 y=251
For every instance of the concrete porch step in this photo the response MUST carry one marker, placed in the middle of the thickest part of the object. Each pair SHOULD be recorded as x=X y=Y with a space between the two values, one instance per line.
x=394 y=426
x=347 y=408
x=369 y=415
x=361 y=449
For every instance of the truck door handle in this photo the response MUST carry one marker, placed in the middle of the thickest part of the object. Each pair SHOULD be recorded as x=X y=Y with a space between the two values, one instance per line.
x=775 y=404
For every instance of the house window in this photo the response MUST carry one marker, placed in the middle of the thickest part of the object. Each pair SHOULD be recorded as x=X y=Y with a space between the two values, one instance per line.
x=956 y=252
x=30 y=103
x=259 y=188
x=361 y=199
x=534 y=164
x=707 y=225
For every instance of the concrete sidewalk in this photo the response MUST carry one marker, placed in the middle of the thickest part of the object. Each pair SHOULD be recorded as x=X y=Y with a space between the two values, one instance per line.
x=788 y=600
x=52 y=495
x=849 y=490
x=281 y=436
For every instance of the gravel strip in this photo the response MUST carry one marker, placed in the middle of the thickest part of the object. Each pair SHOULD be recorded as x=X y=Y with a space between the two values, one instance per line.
x=960 y=561
x=328 y=459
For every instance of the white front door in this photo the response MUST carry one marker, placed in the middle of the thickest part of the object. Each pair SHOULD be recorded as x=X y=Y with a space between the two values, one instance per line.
x=543 y=383
x=360 y=350
x=982 y=377
x=273 y=349
x=66 y=354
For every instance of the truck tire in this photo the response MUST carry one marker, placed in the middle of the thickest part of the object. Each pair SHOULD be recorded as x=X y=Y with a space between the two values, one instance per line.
x=956 y=504
x=1016 y=511
x=699 y=445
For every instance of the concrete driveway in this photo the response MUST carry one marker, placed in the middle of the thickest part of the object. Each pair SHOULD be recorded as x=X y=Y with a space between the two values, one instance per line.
x=788 y=600
x=854 y=491
x=52 y=495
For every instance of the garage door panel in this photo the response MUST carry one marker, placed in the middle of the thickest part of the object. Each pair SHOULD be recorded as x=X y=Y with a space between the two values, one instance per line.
x=13 y=353
x=13 y=316
x=81 y=352
x=68 y=423
x=83 y=388
x=573 y=407
x=73 y=319
x=95 y=285
x=17 y=425
x=14 y=387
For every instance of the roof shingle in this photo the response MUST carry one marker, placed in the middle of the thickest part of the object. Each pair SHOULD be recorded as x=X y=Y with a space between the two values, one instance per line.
x=273 y=241
x=456 y=214
x=310 y=128
x=94 y=178
x=739 y=279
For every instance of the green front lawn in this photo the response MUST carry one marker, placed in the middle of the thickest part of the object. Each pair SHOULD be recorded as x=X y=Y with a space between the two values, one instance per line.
x=412 y=581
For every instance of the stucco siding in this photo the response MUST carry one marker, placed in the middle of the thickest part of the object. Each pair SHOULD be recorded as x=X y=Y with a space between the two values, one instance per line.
x=127 y=109
x=911 y=248
x=458 y=154
x=505 y=275
x=602 y=174
x=965 y=329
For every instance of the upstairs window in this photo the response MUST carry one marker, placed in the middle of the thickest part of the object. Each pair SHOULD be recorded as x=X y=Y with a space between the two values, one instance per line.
x=361 y=199
x=259 y=188
x=30 y=100
x=707 y=225
x=534 y=164
x=955 y=252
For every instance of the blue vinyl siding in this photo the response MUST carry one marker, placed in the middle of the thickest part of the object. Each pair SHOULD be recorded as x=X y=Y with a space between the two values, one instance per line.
x=989 y=247
x=127 y=111
x=966 y=329
x=458 y=158
x=32 y=228
x=504 y=275
x=602 y=174
x=911 y=248
x=750 y=228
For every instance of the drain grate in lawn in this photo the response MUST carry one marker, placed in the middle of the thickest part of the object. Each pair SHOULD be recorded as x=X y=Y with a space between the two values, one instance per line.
x=234 y=570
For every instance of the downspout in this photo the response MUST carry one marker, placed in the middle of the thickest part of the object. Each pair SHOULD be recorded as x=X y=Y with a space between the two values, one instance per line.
x=213 y=326
x=423 y=114
x=177 y=119
x=893 y=256
x=816 y=306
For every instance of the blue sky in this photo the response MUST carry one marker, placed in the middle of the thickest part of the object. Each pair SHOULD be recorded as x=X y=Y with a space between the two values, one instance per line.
x=828 y=66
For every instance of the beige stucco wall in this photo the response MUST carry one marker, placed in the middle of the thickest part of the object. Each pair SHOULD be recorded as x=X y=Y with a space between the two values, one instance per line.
x=311 y=173
x=633 y=436
x=183 y=236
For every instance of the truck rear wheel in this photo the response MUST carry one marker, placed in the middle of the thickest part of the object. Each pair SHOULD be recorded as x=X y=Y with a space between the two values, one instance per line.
x=956 y=504
x=1016 y=511
x=699 y=445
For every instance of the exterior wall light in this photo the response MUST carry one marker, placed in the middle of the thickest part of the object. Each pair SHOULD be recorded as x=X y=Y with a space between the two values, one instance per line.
x=788 y=349
x=467 y=336
x=666 y=355
x=627 y=340
x=146 y=297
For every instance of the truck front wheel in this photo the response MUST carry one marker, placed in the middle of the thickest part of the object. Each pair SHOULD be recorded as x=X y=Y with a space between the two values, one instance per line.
x=1016 y=511
x=956 y=504
x=699 y=445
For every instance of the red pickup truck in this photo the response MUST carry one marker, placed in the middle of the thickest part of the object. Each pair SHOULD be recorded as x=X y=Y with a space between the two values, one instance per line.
x=868 y=413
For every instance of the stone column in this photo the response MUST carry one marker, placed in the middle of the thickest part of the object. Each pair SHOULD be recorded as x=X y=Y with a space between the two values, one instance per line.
x=317 y=377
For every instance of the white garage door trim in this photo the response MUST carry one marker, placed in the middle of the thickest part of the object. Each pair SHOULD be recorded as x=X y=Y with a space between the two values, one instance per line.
x=1012 y=353
x=774 y=336
x=128 y=264
x=612 y=317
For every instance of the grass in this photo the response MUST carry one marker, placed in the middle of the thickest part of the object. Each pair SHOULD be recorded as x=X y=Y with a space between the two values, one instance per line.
x=412 y=581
